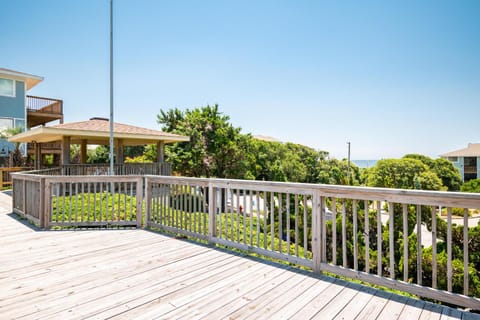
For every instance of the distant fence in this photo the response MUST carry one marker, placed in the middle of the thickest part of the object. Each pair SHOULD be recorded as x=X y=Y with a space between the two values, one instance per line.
x=401 y=239
x=6 y=175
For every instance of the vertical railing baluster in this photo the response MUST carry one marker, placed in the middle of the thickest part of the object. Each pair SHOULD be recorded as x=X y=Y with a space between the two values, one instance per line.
x=344 y=234
x=272 y=221
x=449 y=249
x=83 y=202
x=296 y=225
x=465 y=252
x=287 y=216
x=434 y=247
x=257 y=204
x=250 y=197
x=334 y=231
x=391 y=238
x=238 y=214
x=305 y=227
x=405 y=241
x=280 y=224
x=71 y=204
x=419 y=245
x=317 y=221
x=355 y=235
x=265 y=220
x=379 y=238
x=323 y=227
x=233 y=215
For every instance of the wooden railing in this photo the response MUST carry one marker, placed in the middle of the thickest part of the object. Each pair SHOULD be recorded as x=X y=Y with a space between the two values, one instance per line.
x=44 y=105
x=372 y=234
x=51 y=146
x=163 y=169
x=5 y=175
x=402 y=239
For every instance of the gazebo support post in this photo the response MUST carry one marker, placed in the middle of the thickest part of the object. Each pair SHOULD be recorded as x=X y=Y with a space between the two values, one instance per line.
x=83 y=152
x=65 y=150
x=160 y=151
x=38 y=156
x=119 y=151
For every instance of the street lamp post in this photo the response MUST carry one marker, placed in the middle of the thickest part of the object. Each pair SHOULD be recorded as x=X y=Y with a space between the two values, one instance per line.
x=111 y=88
x=348 y=163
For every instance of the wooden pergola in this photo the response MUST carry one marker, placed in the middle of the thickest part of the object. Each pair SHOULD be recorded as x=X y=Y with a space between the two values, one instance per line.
x=95 y=131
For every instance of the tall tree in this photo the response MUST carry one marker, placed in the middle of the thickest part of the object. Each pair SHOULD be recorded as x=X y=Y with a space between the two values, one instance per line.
x=216 y=148
x=443 y=168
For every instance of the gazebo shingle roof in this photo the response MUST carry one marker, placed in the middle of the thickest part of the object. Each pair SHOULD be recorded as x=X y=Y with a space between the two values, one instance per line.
x=97 y=131
x=101 y=125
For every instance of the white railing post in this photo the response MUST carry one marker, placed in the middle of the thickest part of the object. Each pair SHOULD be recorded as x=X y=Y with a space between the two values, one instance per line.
x=317 y=222
x=212 y=215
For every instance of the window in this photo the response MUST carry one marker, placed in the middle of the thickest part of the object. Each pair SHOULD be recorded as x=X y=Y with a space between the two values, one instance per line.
x=20 y=123
x=453 y=159
x=6 y=123
x=7 y=87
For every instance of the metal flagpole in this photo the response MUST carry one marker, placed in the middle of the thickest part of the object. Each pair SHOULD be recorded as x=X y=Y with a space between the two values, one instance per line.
x=111 y=88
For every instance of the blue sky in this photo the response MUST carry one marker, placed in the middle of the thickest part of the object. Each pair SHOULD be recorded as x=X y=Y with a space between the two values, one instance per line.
x=392 y=77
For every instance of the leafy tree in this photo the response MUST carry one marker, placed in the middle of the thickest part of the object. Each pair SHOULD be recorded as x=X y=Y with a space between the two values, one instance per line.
x=101 y=154
x=443 y=168
x=403 y=173
x=215 y=146
x=471 y=186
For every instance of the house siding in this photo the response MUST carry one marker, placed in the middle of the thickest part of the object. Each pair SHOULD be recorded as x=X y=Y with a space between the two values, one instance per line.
x=14 y=107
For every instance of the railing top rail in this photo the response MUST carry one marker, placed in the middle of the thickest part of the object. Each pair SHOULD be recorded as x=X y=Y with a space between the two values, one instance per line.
x=422 y=197
x=99 y=178
x=44 y=98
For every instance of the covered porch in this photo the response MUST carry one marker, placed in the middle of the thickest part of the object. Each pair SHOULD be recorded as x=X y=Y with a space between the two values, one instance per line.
x=95 y=131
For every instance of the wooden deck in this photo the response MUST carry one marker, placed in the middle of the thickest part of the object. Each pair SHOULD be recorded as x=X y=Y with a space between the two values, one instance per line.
x=127 y=274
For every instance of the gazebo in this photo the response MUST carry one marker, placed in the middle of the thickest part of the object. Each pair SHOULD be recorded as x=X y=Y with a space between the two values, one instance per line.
x=95 y=131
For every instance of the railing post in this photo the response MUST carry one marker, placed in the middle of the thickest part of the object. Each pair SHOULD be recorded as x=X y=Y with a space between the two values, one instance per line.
x=43 y=199
x=24 y=199
x=317 y=231
x=148 y=202
x=139 y=201
x=212 y=216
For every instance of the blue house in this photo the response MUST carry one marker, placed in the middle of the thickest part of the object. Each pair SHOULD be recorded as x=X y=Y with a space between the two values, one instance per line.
x=17 y=109
x=466 y=160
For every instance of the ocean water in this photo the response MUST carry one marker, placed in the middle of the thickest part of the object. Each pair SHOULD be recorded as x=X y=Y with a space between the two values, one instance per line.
x=364 y=163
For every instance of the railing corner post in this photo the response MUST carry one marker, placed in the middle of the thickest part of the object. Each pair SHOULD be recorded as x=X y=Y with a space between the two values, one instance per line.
x=212 y=217
x=43 y=200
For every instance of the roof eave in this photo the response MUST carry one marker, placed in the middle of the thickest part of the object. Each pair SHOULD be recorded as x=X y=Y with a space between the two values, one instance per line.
x=30 y=79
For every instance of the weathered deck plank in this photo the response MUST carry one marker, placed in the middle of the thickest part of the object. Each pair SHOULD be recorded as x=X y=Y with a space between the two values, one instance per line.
x=128 y=274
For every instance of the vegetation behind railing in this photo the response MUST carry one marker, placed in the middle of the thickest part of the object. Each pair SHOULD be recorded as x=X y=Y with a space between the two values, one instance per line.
x=372 y=234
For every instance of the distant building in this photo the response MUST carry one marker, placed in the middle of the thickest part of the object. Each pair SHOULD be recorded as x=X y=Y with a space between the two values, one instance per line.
x=466 y=161
x=17 y=109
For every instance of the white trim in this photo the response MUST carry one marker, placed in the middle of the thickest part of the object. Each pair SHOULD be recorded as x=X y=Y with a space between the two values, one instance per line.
x=14 y=91
x=29 y=79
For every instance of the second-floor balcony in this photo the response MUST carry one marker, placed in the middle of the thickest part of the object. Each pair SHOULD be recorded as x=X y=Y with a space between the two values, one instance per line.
x=42 y=110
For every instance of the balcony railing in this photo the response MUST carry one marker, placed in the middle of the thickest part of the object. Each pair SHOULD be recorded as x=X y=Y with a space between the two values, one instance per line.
x=414 y=241
x=42 y=110
x=470 y=169
x=44 y=105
